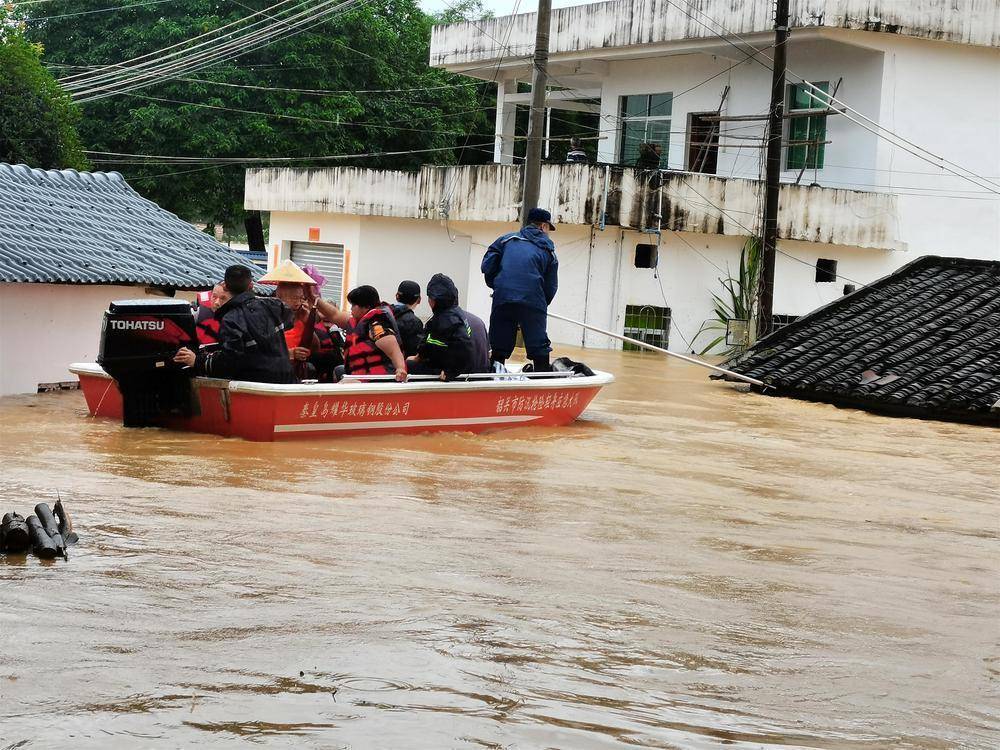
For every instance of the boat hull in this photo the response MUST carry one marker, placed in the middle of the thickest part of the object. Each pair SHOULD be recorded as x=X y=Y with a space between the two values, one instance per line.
x=266 y=412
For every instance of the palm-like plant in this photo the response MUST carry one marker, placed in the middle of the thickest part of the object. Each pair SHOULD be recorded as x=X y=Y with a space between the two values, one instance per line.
x=738 y=302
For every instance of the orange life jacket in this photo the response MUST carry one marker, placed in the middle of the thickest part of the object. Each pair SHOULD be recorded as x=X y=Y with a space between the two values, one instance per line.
x=207 y=328
x=361 y=356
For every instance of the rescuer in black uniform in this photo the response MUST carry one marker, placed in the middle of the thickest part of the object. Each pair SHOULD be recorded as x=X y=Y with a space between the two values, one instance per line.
x=251 y=337
x=447 y=348
x=408 y=325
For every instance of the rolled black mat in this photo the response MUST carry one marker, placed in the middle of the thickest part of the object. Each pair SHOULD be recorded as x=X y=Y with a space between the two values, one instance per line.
x=44 y=547
x=50 y=526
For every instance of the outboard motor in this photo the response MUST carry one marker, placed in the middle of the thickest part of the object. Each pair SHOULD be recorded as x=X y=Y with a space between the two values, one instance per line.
x=138 y=342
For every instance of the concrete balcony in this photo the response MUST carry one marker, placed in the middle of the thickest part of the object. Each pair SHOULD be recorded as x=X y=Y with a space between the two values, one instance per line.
x=624 y=28
x=583 y=194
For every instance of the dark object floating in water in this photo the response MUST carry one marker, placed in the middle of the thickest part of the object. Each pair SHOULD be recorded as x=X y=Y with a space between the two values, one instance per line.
x=51 y=528
x=39 y=532
x=41 y=542
x=14 y=533
x=65 y=524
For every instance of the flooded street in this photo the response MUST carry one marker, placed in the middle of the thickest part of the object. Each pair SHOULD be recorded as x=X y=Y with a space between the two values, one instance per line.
x=686 y=567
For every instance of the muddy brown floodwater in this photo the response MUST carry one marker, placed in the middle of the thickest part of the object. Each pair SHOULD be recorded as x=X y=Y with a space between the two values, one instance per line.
x=685 y=567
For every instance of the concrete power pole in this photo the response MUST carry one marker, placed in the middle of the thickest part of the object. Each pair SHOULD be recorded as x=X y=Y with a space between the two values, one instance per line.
x=775 y=122
x=536 y=118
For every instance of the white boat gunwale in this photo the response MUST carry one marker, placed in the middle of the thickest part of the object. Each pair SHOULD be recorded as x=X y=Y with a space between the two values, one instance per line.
x=597 y=380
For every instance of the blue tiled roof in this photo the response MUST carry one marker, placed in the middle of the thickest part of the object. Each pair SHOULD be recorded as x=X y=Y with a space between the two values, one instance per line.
x=922 y=342
x=93 y=228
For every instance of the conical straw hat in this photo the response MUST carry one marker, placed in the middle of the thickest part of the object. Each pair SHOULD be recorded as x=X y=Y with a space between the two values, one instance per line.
x=287 y=271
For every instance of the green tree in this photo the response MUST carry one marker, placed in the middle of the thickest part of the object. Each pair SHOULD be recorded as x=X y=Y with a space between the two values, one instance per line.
x=37 y=118
x=374 y=57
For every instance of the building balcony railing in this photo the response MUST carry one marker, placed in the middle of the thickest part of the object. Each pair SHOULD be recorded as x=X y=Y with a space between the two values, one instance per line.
x=583 y=194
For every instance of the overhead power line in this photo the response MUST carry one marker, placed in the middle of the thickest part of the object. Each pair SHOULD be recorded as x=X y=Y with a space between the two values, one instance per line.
x=232 y=44
x=35 y=19
x=161 y=159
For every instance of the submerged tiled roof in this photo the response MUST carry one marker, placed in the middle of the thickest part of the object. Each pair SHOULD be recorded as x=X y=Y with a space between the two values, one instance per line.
x=924 y=341
x=93 y=228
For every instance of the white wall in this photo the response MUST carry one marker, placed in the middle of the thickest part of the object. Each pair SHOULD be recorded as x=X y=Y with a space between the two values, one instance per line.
x=45 y=327
x=945 y=98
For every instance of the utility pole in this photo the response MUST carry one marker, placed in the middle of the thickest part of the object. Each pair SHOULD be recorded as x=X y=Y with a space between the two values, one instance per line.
x=775 y=122
x=536 y=118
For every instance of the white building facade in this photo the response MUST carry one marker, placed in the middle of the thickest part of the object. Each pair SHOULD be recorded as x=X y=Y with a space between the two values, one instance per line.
x=693 y=77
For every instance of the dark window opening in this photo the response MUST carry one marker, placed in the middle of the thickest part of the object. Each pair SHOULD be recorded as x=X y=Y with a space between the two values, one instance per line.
x=703 y=143
x=648 y=324
x=646 y=256
x=826 y=270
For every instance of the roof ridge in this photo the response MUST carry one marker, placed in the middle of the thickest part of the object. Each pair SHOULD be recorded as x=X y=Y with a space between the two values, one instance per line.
x=66 y=175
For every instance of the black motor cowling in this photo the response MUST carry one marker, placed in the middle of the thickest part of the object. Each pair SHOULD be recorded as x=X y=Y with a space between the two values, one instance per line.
x=138 y=342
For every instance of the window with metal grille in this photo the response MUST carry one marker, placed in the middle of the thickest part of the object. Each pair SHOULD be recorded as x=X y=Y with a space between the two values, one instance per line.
x=645 y=118
x=806 y=133
x=648 y=324
x=328 y=259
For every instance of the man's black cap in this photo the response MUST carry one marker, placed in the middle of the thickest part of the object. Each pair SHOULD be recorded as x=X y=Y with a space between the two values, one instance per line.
x=442 y=290
x=408 y=292
x=541 y=216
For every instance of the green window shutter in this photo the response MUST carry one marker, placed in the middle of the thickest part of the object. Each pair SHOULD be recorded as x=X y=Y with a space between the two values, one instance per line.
x=633 y=133
x=661 y=105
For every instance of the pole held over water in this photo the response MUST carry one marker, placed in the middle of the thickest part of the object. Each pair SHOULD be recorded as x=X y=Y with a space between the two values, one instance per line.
x=644 y=345
x=536 y=117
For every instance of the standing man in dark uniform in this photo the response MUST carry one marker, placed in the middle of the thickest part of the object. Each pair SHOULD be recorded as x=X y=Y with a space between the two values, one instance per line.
x=522 y=270
x=251 y=337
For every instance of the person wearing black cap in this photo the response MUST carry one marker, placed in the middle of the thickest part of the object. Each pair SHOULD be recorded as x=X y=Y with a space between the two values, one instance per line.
x=410 y=327
x=522 y=270
x=446 y=349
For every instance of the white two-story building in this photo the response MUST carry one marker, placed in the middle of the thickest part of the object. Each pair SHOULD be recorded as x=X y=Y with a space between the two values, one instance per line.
x=694 y=77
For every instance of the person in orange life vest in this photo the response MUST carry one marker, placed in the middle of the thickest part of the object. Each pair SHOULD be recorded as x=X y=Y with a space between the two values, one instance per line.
x=294 y=296
x=207 y=324
x=372 y=346
x=329 y=353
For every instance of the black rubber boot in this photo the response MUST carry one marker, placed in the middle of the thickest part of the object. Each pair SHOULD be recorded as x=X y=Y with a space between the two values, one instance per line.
x=540 y=364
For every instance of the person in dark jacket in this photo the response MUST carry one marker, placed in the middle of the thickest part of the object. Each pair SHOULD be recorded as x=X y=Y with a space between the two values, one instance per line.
x=409 y=326
x=251 y=337
x=447 y=349
x=480 y=342
x=522 y=270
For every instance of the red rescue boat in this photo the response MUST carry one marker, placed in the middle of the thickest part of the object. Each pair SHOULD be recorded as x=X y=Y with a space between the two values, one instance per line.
x=364 y=406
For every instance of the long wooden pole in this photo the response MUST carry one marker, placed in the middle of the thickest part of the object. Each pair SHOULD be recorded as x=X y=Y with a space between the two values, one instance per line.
x=644 y=345
x=765 y=307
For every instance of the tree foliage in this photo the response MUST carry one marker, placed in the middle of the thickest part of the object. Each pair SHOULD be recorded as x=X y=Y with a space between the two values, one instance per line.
x=245 y=107
x=37 y=118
